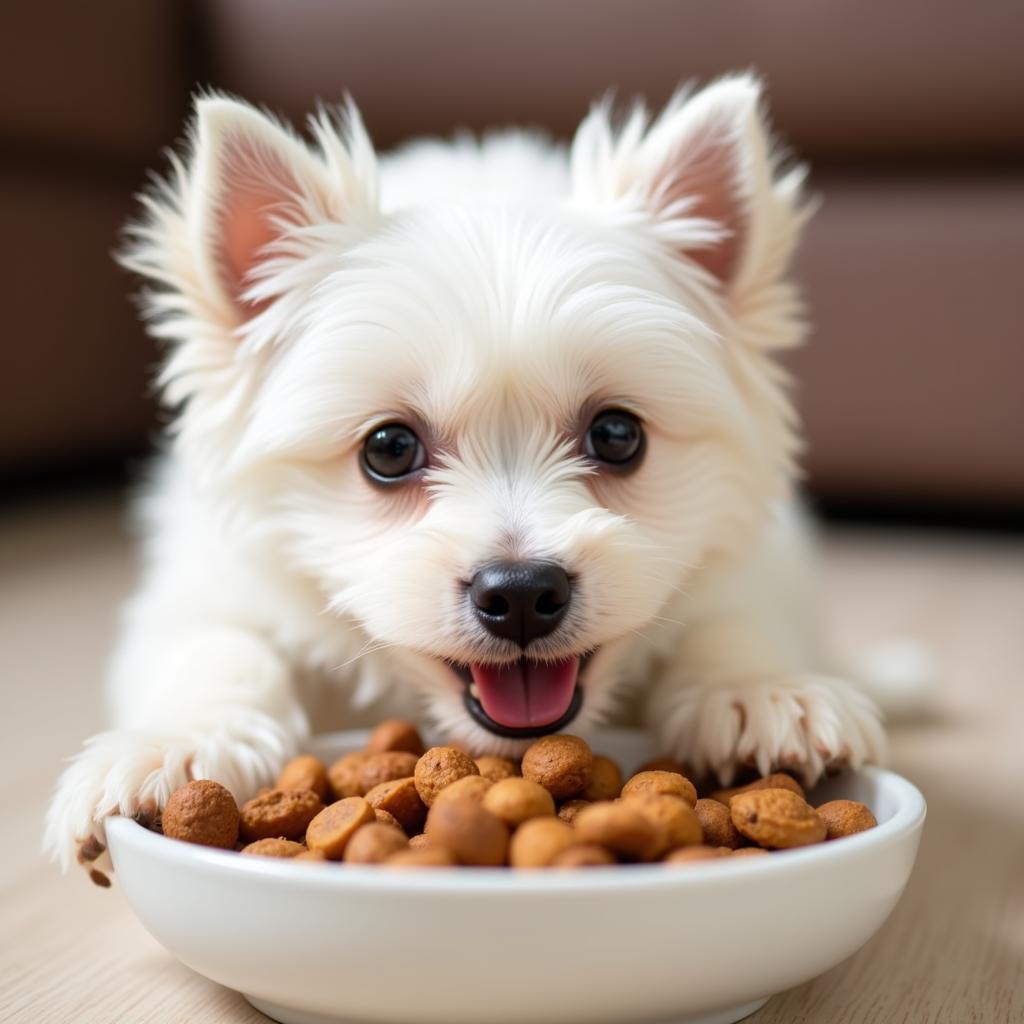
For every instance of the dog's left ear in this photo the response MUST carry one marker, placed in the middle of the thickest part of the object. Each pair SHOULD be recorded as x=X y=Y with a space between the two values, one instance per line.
x=704 y=172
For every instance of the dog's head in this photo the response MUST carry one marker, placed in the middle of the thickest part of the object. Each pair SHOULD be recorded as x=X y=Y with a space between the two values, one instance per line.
x=498 y=430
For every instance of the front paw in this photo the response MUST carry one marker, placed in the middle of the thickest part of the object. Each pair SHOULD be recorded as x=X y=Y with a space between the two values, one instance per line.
x=133 y=772
x=809 y=725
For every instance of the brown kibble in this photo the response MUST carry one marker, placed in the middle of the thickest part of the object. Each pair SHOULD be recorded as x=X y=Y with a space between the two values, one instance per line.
x=395 y=734
x=440 y=767
x=662 y=764
x=421 y=857
x=583 y=855
x=717 y=824
x=776 y=818
x=374 y=843
x=97 y=877
x=305 y=772
x=749 y=851
x=343 y=775
x=89 y=850
x=468 y=832
x=661 y=784
x=605 y=780
x=202 y=812
x=538 y=841
x=777 y=780
x=315 y=856
x=568 y=811
x=400 y=799
x=385 y=767
x=469 y=787
x=845 y=818
x=619 y=826
x=331 y=830
x=497 y=768
x=277 y=847
x=385 y=818
x=281 y=812
x=419 y=842
x=516 y=800
x=562 y=764
x=696 y=854
x=674 y=819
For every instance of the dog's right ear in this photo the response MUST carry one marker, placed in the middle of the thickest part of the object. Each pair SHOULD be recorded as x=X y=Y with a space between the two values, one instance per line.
x=253 y=184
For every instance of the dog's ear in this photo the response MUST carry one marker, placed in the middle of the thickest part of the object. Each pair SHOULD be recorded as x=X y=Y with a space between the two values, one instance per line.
x=703 y=170
x=252 y=182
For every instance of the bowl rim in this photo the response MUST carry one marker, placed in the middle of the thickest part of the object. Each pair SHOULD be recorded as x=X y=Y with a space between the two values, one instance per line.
x=126 y=837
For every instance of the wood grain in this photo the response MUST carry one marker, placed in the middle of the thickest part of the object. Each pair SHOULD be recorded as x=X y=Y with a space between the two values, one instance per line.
x=952 y=953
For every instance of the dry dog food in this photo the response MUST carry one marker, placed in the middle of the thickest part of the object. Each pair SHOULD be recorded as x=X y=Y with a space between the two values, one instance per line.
x=399 y=806
x=202 y=812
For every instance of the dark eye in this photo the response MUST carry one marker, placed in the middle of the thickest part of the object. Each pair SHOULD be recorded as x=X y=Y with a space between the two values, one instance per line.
x=392 y=452
x=615 y=437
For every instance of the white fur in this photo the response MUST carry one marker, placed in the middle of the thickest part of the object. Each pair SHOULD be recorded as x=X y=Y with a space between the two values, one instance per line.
x=497 y=294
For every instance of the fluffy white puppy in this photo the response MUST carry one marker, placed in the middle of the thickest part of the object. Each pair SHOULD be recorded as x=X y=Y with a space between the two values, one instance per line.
x=483 y=431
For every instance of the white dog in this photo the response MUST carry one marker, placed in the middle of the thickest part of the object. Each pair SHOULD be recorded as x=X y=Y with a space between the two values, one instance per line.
x=484 y=431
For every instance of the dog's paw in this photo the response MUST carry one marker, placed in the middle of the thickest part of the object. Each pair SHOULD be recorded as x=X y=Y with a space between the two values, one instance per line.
x=133 y=772
x=808 y=725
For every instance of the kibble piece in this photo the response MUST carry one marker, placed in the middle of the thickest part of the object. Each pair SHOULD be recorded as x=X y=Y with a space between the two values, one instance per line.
x=661 y=784
x=696 y=854
x=395 y=734
x=281 y=812
x=583 y=855
x=331 y=830
x=497 y=768
x=419 y=842
x=845 y=818
x=620 y=827
x=304 y=772
x=386 y=767
x=314 y=856
x=674 y=819
x=716 y=821
x=469 y=787
x=537 y=842
x=662 y=764
x=468 y=832
x=562 y=764
x=440 y=767
x=605 y=780
x=777 y=780
x=568 y=811
x=401 y=800
x=385 y=818
x=273 y=848
x=202 y=812
x=776 y=818
x=374 y=843
x=749 y=851
x=516 y=800
x=421 y=857
x=343 y=775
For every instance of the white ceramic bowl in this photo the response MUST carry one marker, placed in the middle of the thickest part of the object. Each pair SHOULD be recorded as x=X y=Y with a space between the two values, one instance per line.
x=309 y=944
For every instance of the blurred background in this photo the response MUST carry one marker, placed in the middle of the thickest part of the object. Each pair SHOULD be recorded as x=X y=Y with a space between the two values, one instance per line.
x=912 y=120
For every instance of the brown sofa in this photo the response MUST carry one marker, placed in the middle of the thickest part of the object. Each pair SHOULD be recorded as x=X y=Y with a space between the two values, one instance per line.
x=913 y=387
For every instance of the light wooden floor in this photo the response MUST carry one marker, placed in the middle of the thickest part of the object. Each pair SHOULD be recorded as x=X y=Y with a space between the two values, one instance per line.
x=953 y=952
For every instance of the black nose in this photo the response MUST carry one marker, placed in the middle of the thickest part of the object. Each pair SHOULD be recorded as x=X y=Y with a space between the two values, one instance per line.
x=520 y=601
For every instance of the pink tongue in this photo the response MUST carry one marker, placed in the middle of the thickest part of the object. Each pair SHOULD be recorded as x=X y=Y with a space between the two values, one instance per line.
x=526 y=693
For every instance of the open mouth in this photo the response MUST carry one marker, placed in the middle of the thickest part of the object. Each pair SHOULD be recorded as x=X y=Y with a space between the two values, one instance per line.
x=524 y=698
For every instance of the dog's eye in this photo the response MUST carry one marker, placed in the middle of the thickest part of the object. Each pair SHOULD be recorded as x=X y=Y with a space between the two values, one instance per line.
x=615 y=437
x=392 y=452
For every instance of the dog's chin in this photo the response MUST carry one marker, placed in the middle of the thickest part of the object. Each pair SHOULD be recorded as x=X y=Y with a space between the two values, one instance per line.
x=525 y=698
